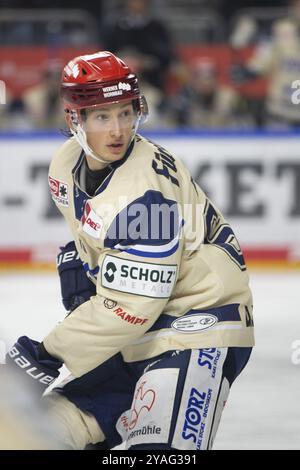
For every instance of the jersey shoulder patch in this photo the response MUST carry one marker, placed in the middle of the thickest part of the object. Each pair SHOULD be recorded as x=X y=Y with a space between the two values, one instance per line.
x=60 y=172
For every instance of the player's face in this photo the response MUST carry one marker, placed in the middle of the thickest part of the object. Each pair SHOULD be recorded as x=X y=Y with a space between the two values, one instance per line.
x=109 y=129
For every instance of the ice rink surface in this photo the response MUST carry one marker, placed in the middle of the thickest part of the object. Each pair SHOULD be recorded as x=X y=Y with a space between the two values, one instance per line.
x=263 y=410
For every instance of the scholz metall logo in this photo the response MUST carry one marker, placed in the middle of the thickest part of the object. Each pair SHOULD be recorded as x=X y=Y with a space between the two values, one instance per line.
x=147 y=279
x=110 y=272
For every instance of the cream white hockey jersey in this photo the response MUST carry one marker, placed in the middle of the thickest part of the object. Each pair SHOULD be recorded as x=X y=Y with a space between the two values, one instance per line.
x=169 y=271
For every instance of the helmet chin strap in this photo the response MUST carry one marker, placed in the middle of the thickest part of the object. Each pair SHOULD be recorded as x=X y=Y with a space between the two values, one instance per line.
x=80 y=135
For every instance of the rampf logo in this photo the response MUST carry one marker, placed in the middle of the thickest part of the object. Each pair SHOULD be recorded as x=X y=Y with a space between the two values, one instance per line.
x=110 y=270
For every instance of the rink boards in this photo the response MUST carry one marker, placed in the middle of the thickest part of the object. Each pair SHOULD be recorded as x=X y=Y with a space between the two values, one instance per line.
x=253 y=177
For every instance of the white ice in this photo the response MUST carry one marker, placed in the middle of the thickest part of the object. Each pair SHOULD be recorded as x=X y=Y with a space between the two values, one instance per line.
x=263 y=410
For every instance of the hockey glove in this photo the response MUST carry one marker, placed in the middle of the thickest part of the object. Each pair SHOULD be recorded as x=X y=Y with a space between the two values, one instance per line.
x=76 y=287
x=32 y=358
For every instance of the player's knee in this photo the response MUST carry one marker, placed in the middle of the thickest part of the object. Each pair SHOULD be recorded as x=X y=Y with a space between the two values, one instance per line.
x=73 y=427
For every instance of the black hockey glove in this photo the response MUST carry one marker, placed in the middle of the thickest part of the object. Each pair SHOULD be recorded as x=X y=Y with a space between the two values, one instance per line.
x=33 y=360
x=76 y=287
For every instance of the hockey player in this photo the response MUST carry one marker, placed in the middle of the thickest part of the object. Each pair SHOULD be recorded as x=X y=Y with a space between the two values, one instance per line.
x=160 y=321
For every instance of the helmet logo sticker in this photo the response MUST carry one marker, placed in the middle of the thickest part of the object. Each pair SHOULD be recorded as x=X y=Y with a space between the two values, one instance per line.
x=115 y=90
x=72 y=69
x=111 y=91
x=124 y=86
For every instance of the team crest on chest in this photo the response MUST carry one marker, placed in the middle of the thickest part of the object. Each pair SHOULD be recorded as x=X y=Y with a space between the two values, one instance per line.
x=59 y=191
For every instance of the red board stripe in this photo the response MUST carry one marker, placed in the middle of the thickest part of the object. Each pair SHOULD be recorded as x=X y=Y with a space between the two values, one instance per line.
x=16 y=255
x=29 y=255
x=267 y=254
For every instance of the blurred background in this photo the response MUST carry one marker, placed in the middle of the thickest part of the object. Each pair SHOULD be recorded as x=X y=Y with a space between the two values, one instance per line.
x=222 y=80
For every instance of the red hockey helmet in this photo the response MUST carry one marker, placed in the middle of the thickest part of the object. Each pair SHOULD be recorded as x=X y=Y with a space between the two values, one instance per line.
x=100 y=78
x=93 y=80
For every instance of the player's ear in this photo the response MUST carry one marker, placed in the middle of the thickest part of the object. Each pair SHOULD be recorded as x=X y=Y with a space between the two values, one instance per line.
x=68 y=119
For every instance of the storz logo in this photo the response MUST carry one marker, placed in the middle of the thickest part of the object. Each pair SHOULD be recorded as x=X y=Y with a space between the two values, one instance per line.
x=207 y=357
x=149 y=280
x=193 y=415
